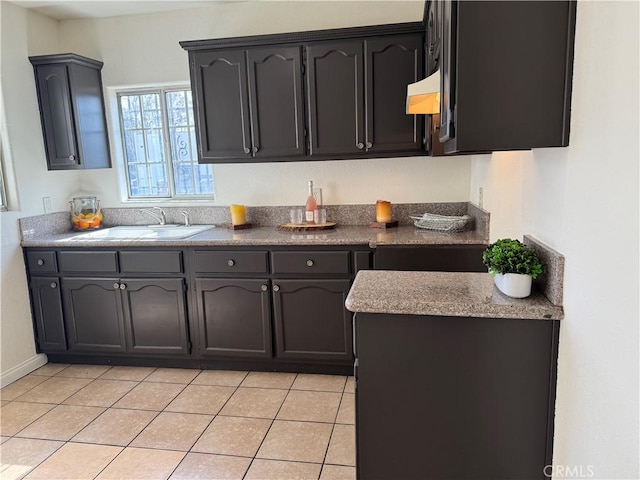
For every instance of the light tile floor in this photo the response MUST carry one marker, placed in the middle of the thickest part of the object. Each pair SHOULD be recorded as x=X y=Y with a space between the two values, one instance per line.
x=90 y=421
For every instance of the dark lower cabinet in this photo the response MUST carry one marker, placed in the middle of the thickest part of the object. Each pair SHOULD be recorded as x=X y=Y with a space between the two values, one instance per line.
x=234 y=317
x=311 y=321
x=47 y=311
x=453 y=397
x=155 y=316
x=437 y=258
x=93 y=314
x=146 y=316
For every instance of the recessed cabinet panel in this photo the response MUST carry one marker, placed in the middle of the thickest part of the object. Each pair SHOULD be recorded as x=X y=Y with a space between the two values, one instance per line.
x=93 y=314
x=392 y=63
x=234 y=317
x=42 y=262
x=311 y=262
x=151 y=262
x=87 y=261
x=55 y=100
x=311 y=321
x=222 y=104
x=155 y=315
x=230 y=261
x=335 y=85
x=47 y=311
x=275 y=92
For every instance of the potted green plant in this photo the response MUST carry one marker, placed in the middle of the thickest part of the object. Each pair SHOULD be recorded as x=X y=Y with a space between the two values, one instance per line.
x=513 y=265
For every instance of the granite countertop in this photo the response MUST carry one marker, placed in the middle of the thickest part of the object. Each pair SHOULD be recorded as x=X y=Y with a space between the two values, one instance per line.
x=443 y=294
x=221 y=236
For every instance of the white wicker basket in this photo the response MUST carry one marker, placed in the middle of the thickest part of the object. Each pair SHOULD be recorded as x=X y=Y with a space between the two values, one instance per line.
x=441 y=223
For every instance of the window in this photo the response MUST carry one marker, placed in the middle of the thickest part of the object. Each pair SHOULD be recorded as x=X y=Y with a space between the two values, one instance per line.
x=159 y=143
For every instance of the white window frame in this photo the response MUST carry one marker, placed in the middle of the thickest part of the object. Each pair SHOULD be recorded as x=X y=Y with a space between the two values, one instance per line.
x=3 y=189
x=172 y=197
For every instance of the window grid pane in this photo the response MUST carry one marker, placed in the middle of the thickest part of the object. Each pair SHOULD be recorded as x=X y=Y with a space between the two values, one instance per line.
x=147 y=154
x=190 y=178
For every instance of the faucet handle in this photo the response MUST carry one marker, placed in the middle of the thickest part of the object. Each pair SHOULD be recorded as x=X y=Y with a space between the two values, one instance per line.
x=187 y=218
x=163 y=215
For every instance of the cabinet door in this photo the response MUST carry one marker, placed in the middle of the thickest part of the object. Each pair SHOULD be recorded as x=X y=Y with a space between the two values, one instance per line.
x=234 y=317
x=155 y=315
x=448 y=19
x=440 y=258
x=57 y=120
x=275 y=96
x=88 y=112
x=434 y=26
x=219 y=84
x=47 y=312
x=392 y=63
x=335 y=86
x=311 y=321
x=93 y=314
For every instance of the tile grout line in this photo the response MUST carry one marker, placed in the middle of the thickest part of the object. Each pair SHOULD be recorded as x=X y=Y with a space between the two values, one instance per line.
x=269 y=429
x=164 y=410
x=190 y=450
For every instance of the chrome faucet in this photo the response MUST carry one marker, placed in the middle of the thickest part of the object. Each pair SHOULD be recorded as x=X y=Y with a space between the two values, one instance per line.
x=187 y=218
x=161 y=217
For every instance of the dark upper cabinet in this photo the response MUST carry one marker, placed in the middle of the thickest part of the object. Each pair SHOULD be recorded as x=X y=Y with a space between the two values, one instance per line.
x=433 y=19
x=219 y=84
x=248 y=103
x=275 y=97
x=392 y=63
x=357 y=93
x=506 y=74
x=329 y=94
x=335 y=84
x=69 y=89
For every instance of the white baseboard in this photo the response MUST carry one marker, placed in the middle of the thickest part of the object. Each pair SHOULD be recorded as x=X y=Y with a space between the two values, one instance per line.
x=22 y=369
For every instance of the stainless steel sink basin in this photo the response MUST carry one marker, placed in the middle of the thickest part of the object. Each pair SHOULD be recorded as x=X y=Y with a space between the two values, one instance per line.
x=151 y=232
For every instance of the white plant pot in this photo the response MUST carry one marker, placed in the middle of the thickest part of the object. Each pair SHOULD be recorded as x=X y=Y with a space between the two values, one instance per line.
x=514 y=285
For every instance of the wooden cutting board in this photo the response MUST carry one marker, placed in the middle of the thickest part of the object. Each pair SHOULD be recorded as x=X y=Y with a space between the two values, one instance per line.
x=295 y=227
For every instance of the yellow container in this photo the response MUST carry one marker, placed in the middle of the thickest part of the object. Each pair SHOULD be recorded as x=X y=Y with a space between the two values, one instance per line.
x=238 y=213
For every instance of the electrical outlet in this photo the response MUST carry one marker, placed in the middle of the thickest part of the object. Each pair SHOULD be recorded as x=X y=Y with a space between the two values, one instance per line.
x=46 y=204
x=317 y=194
x=480 y=197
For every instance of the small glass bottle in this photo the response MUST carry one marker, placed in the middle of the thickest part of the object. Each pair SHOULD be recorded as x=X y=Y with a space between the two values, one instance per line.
x=310 y=206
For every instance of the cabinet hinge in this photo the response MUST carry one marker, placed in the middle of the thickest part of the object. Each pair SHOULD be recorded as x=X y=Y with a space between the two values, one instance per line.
x=185 y=286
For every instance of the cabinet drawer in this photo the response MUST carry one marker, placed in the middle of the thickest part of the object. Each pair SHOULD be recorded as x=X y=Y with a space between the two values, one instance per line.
x=151 y=262
x=88 y=261
x=230 y=261
x=42 y=262
x=309 y=262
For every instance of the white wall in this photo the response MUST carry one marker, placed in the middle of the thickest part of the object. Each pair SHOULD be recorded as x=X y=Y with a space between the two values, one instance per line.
x=23 y=33
x=144 y=49
x=583 y=201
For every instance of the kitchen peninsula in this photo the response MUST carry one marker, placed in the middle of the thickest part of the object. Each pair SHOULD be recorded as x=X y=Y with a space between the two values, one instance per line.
x=453 y=378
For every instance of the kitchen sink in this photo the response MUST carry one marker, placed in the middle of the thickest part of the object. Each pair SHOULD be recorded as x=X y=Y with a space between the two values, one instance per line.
x=137 y=232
